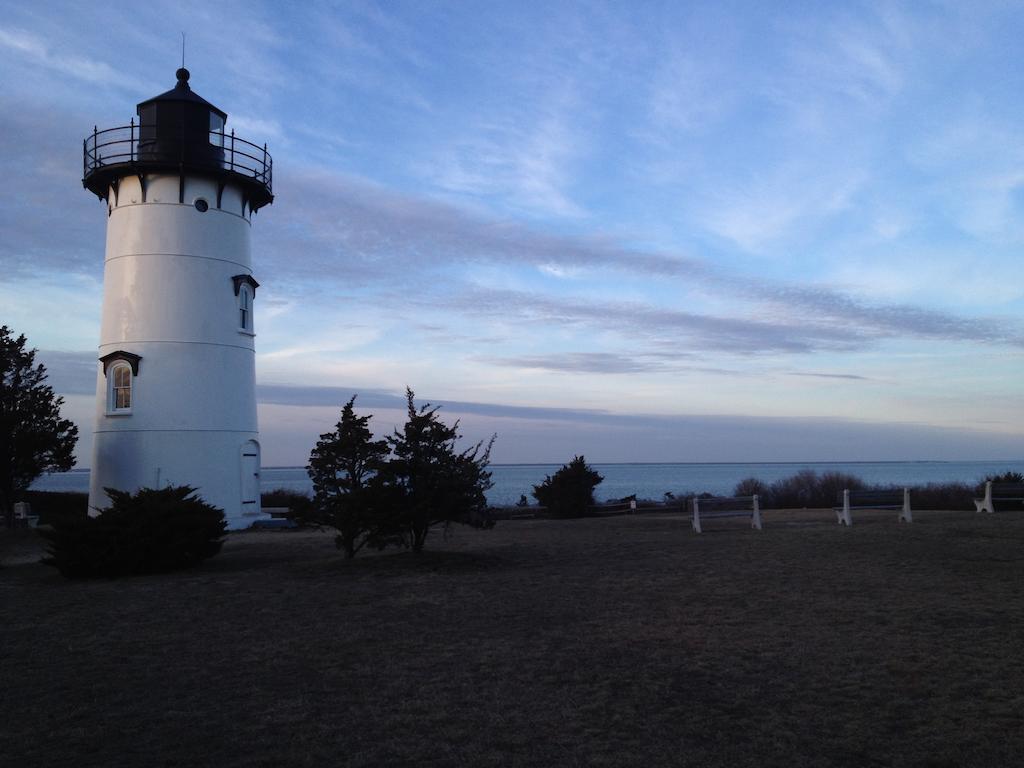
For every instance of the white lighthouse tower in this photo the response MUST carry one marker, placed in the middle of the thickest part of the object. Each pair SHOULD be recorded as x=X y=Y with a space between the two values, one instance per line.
x=175 y=391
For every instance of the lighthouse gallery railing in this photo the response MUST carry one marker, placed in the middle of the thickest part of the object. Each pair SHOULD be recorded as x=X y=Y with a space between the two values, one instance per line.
x=120 y=146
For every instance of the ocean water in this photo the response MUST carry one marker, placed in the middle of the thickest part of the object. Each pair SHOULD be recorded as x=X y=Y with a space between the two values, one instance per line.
x=647 y=481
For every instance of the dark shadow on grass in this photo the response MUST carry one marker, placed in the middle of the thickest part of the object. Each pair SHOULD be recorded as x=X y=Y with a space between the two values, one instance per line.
x=237 y=562
x=386 y=564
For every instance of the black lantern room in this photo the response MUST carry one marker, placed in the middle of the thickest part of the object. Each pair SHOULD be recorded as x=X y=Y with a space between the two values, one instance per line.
x=178 y=132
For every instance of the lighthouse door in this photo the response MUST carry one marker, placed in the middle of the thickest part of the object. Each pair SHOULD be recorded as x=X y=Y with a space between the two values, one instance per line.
x=250 y=477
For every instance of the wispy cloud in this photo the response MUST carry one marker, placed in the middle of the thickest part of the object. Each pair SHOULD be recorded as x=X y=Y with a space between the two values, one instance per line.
x=583 y=362
x=374 y=398
x=36 y=51
x=368 y=229
x=975 y=164
x=522 y=161
x=846 y=56
x=45 y=156
x=762 y=211
x=690 y=331
x=845 y=376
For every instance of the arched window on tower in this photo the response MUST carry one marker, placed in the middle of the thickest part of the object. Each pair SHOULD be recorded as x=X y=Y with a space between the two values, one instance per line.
x=120 y=368
x=245 y=292
x=120 y=378
x=245 y=308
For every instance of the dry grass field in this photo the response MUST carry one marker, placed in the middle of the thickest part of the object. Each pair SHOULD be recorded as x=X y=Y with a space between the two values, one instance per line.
x=626 y=641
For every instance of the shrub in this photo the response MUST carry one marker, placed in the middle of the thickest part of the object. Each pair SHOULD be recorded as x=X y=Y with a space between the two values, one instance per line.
x=831 y=486
x=570 y=491
x=151 y=531
x=751 y=486
x=805 y=489
x=1006 y=477
x=942 y=496
x=796 y=491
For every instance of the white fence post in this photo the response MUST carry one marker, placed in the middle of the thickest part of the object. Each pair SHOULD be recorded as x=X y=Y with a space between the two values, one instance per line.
x=844 y=515
x=696 y=515
x=985 y=505
x=905 y=516
x=632 y=506
x=756 y=522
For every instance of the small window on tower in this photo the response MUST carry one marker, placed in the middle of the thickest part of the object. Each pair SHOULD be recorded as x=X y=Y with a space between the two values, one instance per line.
x=245 y=308
x=120 y=380
x=122 y=387
x=120 y=368
x=245 y=292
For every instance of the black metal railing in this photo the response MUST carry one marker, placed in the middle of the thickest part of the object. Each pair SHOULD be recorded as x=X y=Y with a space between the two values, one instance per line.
x=226 y=151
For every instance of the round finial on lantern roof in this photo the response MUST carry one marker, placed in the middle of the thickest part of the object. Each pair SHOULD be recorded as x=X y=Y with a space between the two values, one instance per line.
x=182 y=75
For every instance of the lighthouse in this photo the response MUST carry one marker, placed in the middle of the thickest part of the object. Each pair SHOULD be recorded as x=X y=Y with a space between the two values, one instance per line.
x=176 y=384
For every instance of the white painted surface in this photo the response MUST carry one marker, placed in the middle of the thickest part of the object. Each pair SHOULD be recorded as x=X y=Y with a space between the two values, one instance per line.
x=985 y=504
x=169 y=297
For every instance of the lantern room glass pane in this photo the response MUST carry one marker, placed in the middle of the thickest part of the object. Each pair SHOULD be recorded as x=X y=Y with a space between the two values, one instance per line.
x=216 y=130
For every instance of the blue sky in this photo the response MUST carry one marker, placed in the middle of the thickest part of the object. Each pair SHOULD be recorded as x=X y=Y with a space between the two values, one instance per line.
x=643 y=231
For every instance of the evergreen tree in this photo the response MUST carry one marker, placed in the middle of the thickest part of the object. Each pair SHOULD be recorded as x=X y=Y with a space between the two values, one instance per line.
x=433 y=483
x=570 y=491
x=348 y=492
x=33 y=437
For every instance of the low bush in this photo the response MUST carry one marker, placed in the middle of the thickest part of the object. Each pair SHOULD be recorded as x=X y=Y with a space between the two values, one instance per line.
x=151 y=531
x=831 y=485
x=1005 y=477
x=807 y=489
x=942 y=496
x=794 y=492
x=751 y=486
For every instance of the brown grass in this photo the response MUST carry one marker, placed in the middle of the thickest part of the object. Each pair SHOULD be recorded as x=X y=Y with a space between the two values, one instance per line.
x=626 y=641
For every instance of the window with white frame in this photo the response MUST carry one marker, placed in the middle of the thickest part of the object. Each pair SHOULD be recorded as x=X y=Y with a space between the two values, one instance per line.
x=120 y=378
x=120 y=368
x=245 y=293
x=245 y=308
